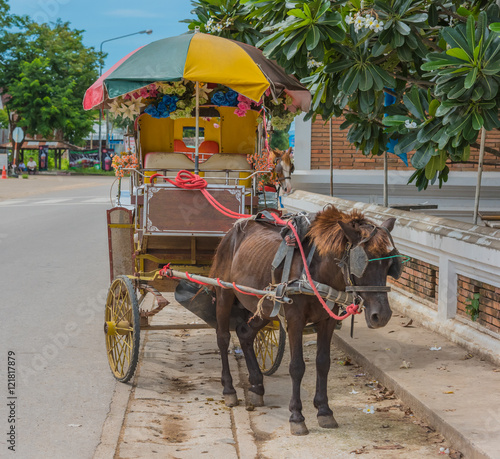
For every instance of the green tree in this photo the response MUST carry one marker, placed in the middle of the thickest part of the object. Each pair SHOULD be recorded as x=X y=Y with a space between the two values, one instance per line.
x=45 y=70
x=226 y=18
x=4 y=119
x=279 y=140
x=439 y=59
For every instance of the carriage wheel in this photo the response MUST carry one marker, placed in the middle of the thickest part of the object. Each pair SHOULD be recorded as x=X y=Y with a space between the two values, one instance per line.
x=122 y=328
x=269 y=347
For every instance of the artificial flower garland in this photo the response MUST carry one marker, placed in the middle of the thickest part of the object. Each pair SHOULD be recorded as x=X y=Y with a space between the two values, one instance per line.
x=177 y=100
x=127 y=160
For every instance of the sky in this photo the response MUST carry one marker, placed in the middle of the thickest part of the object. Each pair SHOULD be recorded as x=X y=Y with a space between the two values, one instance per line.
x=105 y=19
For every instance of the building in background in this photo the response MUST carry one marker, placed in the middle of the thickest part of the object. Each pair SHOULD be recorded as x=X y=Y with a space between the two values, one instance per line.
x=360 y=178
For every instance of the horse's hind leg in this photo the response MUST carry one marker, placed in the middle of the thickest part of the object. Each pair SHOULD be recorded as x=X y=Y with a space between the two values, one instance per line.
x=297 y=370
x=246 y=333
x=325 y=414
x=225 y=299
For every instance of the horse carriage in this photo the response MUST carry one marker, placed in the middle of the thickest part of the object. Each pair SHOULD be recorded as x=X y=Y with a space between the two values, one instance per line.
x=200 y=105
x=200 y=110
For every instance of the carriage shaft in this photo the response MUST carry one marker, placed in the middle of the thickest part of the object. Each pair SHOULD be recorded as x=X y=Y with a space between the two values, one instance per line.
x=270 y=294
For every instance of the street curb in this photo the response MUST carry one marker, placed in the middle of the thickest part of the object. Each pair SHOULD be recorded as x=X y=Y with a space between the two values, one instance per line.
x=455 y=437
x=112 y=427
x=118 y=407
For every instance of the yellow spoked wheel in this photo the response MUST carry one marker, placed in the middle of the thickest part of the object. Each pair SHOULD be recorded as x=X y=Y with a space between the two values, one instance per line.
x=269 y=347
x=122 y=328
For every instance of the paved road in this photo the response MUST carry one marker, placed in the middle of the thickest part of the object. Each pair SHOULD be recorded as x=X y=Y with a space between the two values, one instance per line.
x=53 y=280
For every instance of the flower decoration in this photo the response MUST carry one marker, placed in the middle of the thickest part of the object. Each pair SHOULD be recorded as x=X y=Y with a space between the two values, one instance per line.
x=226 y=99
x=176 y=99
x=244 y=104
x=126 y=108
x=126 y=160
x=262 y=162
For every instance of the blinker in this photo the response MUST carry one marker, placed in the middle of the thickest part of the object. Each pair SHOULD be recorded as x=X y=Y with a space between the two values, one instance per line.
x=396 y=268
x=358 y=261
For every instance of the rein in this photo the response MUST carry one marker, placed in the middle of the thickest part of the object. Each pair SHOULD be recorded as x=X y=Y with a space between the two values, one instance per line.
x=188 y=180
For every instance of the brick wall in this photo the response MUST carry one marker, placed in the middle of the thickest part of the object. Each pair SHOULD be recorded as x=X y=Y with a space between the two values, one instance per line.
x=346 y=157
x=489 y=305
x=419 y=278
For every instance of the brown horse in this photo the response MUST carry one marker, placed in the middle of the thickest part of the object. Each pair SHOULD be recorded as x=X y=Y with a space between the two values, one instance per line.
x=283 y=168
x=245 y=256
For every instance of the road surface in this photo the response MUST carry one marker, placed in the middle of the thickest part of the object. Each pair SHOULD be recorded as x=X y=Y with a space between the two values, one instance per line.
x=54 y=276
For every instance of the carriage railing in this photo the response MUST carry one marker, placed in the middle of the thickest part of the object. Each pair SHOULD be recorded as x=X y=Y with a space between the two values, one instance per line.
x=136 y=185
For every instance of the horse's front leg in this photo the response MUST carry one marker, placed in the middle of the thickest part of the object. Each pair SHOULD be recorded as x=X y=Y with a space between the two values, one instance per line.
x=246 y=333
x=325 y=414
x=297 y=369
x=225 y=299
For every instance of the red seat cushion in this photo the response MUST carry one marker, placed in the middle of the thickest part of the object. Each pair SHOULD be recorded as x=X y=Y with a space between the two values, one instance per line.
x=180 y=147
x=209 y=146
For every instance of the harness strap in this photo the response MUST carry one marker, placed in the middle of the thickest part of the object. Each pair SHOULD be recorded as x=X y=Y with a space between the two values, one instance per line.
x=332 y=296
x=309 y=259
x=278 y=258
x=280 y=290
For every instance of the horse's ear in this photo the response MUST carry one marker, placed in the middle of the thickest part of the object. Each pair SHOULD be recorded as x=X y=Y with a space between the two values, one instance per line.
x=289 y=151
x=273 y=156
x=351 y=234
x=389 y=223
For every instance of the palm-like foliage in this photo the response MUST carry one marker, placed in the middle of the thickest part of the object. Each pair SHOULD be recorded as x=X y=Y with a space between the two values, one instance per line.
x=440 y=59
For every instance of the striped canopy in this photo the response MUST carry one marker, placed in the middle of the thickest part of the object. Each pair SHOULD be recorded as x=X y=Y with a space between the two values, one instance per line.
x=197 y=57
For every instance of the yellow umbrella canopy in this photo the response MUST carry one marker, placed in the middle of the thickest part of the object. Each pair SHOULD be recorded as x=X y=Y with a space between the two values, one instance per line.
x=197 y=57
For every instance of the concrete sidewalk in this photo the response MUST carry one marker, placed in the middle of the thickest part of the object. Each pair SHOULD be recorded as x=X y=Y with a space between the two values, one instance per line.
x=174 y=406
x=457 y=393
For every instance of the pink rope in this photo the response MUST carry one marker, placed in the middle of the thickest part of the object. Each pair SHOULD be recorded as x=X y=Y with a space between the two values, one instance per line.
x=190 y=181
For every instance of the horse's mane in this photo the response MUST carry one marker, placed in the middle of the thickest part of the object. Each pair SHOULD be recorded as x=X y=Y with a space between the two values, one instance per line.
x=329 y=238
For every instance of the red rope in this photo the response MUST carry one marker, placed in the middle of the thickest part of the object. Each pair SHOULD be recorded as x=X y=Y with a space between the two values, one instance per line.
x=245 y=293
x=196 y=281
x=188 y=180
x=220 y=285
x=350 y=310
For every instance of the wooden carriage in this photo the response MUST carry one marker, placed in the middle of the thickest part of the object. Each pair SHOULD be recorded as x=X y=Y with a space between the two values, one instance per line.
x=165 y=223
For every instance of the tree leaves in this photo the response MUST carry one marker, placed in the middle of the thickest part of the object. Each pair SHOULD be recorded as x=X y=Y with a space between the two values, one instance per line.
x=448 y=73
x=46 y=70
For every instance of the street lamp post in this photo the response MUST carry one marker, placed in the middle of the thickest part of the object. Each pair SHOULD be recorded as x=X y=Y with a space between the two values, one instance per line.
x=149 y=32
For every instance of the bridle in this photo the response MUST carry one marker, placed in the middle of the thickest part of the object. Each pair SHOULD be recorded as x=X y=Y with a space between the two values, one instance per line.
x=355 y=262
x=278 y=168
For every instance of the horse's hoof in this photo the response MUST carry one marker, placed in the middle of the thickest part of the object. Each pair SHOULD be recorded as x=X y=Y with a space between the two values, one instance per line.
x=255 y=399
x=327 y=422
x=298 y=428
x=231 y=400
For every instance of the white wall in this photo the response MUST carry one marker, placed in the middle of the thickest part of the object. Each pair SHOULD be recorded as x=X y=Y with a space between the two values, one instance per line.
x=455 y=247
